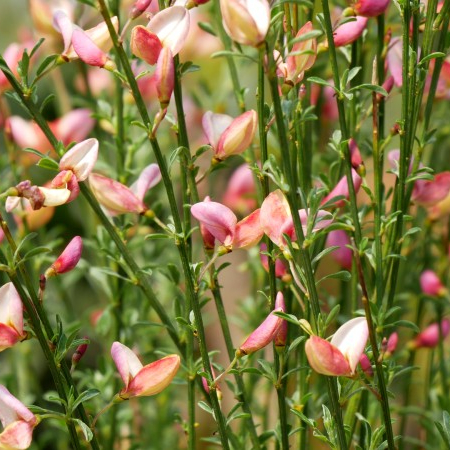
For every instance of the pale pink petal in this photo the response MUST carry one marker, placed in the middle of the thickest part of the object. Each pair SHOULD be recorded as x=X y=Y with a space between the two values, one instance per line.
x=74 y=126
x=126 y=361
x=87 y=50
x=171 y=25
x=64 y=25
x=11 y=203
x=342 y=255
x=430 y=192
x=341 y=189
x=351 y=340
x=27 y=134
x=17 y=436
x=12 y=409
x=248 y=231
x=214 y=125
x=11 y=308
x=219 y=220
x=274 y=213
x=350 y=31
x=431 y=284
x=148 y=178
x=241 y=191
x=80 y=159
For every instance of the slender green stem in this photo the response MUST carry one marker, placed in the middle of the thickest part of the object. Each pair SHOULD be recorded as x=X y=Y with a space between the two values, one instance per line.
x=305 y=261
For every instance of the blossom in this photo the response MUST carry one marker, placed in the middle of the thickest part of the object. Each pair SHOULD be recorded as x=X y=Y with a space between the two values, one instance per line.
x=228 y=136
x=370 y=8
x=222 y=223
x=342 y=255
x=68 y=259
x=11 y=317
x=341 y=355
x=349 y=31
x=431 y=284
x=269 y=330
x=17 y=420
x=276 y=219
x=120 y=199
x=430 y=336
x=142 y=380
x=246 y=21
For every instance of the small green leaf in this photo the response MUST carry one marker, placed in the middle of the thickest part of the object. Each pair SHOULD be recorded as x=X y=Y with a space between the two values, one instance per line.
x=48 y=163
x=87 y=432
x=85 y=396
x=207 y=27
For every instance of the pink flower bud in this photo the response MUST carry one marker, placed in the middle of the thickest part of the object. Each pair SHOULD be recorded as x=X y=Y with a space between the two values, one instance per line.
x=139 y=7
x=17 y=420
x=245 y=21
x=89 y=52
x=165 y=76
x=431 y=284
x=429 y=337
x=342 y=255
x=79 y=353
x=241 y=191
x=145 y=44
x=302 y=56
x=341 y=189
x=114 y=196
x=68 y=259
x=238 y=136
x=206 y=387
x=350 y=31
x=366 y=365
x=341 y=355
x=142 y=380
x=370 y=8
x=11 y=317
x=355 y=157
x=392 y=343
x=264 y=334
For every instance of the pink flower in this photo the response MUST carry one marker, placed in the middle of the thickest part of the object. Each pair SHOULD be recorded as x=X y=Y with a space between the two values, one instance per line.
x=267 y=332
x=168 y=28
x=276 y=219
x=68 y=259
x=429 y=337
x=142 y=380
x=138 y=8
x=349 y=31
x=246 y=21
x=341 y=355
x=120 y=199
x=17 y=420
x=229 y=136
x=221 y=222
x=11 y=317
x=241 y=191
x=341 y=189
x=431 y=192
x=342 y=255
x=165 y=76
x=370 y=8
x=302 y=55
x=355 y=157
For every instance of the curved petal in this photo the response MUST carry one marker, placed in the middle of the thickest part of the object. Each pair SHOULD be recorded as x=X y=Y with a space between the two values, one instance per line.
x=325 y=358
x=214 y=125
x=274 y=214
x=8 y=337
x=17 y=436
x=12 y=409
x=87 y=50
x=11 y=308
x=148 y=178
x=145 y=44
x=126 y=361
x=55 y=197
x=80 y=159
x=248 y=231
x=153 y=378
x=351 y=339
x=219 y=220
x=74 y=126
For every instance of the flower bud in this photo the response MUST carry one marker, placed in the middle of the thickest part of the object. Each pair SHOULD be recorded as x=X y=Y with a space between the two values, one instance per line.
x=139 y=7
x=142 y=380
x=281 y=335
x=429 y=337
x=79 y=353
x=263 y=335
x=349 y=31
x=245 y=21
x=68 y=259
x=431 y=284
x=238 y=136
x=370 y=8
x=366 y=365
x=341 y=189
x=165 y=77
x=355 y=158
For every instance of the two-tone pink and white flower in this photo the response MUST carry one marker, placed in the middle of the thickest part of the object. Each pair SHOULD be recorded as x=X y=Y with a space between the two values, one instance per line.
x=11 y=317
x=168 y=28
x=246 y=21
x=228 y=136
x=142 y=380
x=17 y=420
x=276 y=219
x=341 y=355
x=223 y=225
x=117 y=198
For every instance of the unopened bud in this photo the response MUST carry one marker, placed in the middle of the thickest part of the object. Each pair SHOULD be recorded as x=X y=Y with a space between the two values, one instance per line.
x=68 y=259
x=139 y=7
x=79 y=352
